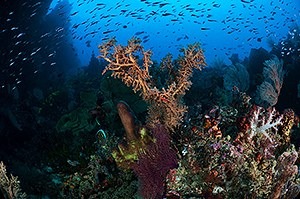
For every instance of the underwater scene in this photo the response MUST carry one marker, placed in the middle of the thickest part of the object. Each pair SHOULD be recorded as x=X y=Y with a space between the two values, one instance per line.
x=149 y=99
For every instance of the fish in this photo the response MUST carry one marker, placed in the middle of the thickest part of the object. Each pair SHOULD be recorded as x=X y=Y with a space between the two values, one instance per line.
x=216 y=5
x=205 y=28
x=108 y=31
x=163 y=4
x=73 y=163
x=74 y=13
x=167 y=14
x=139 y=33
x=249 y=1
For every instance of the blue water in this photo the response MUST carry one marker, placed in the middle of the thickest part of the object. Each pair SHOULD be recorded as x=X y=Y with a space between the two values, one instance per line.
x=222 y=27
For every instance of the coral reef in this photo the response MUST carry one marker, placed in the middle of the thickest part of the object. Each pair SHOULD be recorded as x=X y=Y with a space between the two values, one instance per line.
x=257 y=160
x=214 y=144
x=242 y=149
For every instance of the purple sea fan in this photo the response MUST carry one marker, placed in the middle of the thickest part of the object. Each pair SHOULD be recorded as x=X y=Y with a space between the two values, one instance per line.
x=154 y=163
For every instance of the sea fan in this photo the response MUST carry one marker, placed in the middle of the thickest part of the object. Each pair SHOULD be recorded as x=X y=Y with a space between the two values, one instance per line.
x=154 y=163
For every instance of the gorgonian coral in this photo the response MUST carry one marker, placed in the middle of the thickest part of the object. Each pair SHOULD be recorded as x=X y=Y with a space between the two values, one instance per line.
x=165 y=104
x=154 y=163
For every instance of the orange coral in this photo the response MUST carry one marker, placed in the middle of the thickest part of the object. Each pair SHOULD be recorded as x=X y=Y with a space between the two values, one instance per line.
x=165 y=105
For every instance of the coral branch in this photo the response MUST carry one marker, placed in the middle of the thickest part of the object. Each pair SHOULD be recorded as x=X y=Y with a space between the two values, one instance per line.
x=123 y=62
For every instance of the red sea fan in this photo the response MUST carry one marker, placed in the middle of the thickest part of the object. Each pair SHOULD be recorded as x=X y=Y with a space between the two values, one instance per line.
x=154 y=163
